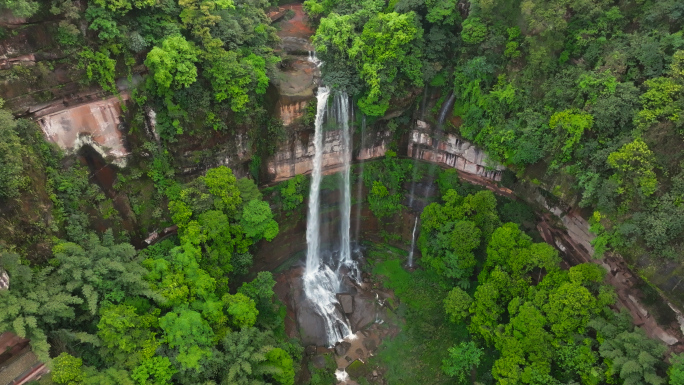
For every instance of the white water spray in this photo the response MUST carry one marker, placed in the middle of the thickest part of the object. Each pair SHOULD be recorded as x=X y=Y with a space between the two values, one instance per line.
x=413 y=243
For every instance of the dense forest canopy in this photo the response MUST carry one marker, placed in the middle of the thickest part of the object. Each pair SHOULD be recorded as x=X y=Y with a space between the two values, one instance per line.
x=587 y=96
x=590 y=92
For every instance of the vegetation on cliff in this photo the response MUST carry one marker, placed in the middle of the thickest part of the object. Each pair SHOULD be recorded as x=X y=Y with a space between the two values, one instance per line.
x=589 y=92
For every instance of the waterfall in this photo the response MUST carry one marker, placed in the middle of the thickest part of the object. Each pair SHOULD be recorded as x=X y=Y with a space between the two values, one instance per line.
x=445 y=109
x=313 y=220
x=321 y=280
x=413 y=243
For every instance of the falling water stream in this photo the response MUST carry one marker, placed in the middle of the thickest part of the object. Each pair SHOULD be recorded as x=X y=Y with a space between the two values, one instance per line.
x=322 y=281
x=359 y=183
x=413 y=243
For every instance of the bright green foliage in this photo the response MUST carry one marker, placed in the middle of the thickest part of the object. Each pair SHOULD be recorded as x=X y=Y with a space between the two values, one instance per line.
x=187 y=331
x=474 y=30
x=233 y=76
x=123 y=6
x=660 y=101
x=173 y=64
x=260 y=289
x=569 y=308
x=257 y=221
x=292 y=192
x=489 y=304
x=67 y=370
x=248 y=189
x=154 y=371
x=456 y=304
x=634 y=164
x=451 y=232
x=222 y=184
x=241 y=309
x=443 y=12
x=676 y=371
x=462 y=358
x=381 y=202
x=570 y=125
x=11 y=164
x=126 y=336
x=281 y=366
x=386 y=48
x=383 y=50
x=99 y=67
x=525 y=346
x=514 y=252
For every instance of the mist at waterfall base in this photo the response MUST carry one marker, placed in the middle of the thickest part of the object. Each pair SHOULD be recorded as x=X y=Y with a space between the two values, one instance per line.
x=325 y=277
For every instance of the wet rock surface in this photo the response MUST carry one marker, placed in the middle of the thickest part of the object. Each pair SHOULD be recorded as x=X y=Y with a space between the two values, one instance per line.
x=347 y=302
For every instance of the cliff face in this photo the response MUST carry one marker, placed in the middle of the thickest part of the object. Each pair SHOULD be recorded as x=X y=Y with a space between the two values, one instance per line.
x=97 y=124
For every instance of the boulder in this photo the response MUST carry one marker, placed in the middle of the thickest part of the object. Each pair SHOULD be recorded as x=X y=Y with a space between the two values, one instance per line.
x=342 y=348
x=347 y=302
x=319 y=362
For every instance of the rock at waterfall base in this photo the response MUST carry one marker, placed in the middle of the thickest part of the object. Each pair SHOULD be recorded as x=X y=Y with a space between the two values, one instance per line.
x=342 y=348
x=347 y=302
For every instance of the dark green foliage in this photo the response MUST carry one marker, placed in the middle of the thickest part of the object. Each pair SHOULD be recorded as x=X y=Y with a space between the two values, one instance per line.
x=384 y=179
x=11 y=153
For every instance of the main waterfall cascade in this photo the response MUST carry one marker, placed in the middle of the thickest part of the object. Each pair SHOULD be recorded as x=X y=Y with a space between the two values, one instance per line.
x=322 y=281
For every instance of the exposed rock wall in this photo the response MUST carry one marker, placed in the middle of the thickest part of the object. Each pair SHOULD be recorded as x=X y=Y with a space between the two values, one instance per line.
x=451 y=151
x=96 y=124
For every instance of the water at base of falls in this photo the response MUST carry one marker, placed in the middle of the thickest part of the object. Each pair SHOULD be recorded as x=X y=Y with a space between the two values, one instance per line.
x=322 y=281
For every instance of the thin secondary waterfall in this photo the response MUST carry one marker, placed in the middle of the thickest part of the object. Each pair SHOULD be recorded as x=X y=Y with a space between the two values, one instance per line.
x=445 y=109
x=413 y=243
x=359 y=182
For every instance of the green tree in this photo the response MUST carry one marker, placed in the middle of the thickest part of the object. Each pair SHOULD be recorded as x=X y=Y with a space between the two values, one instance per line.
x=462 y=359
x=570 y=125
x=11 y=165
x=67 y=370
x=456 y=304
x=21 y=8
x=632 y=356
x=232 y=77
x=127 y=337
x=242 y=310
x=34 y=304
x=154 y=371
x=173 y=64
x=99 y=67
x=292 y=192
x=257 y=221
x=246 y=358
x=634 y=166
x=676 y=371
x=474 y=30
x=187 y=331
x=100 y=271
x=223 y=185
x=248 y=189
x=280 y=366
